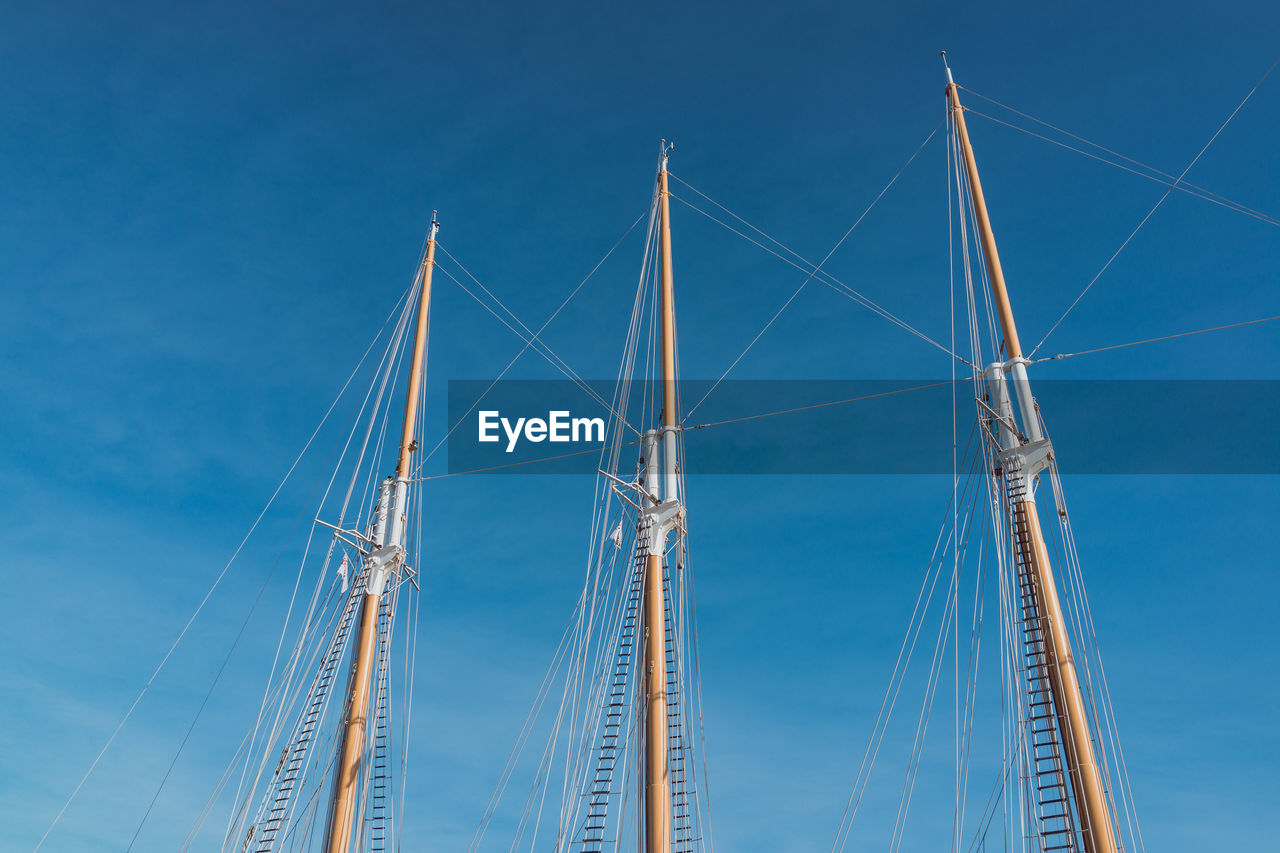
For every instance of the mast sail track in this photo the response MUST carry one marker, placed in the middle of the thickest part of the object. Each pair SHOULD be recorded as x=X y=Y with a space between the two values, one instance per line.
x=1062 y=733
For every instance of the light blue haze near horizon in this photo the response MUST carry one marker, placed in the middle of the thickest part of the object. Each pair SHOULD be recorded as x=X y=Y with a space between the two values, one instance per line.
x=208 y=209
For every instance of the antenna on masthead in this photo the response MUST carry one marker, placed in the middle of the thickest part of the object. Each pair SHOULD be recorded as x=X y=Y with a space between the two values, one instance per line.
x=943 y=54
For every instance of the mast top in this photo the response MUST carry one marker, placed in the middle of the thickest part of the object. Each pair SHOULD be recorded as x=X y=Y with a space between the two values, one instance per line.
x=664 y=151
x=435 y=226
x=943 y=54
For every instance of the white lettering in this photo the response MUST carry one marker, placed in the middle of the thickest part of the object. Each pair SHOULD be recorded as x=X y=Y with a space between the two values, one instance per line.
x=559 y=422
x=587 y=425
x=513 y=435
x=559 y=426
x=487 y=425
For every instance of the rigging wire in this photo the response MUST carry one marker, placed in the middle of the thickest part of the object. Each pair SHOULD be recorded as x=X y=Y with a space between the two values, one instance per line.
x=825 y=404
x=1012 y=708
x=1087 y=648
x=198 y=824
x=956 y=216
x=550 y=356
x=816 y=268
x=1158 y=177
x=812 y=406
x=1183 y=185
x=540 y=346
x=1087 y=633
x=164 y=780
x=711 y=424
x=964 y=733
x=565 y=727
x=596 y=791
x=522 y=739
x=527 y=344
x=825 y=277
x=492 y=468
x=413 y=608
x=284 y=792
x=1066 y=355
x=955 y=425
x=906 y=651
x=532 y=340
x=388 y=366
x=1156 y=207
x=217 y=581
x=278 y=690
x=958 y=540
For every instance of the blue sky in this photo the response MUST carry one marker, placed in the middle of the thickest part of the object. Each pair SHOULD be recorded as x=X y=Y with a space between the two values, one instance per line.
x=208 y=210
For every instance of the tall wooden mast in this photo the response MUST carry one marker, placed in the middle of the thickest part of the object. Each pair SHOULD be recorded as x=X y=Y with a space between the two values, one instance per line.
x=1087 y=787
x=380 y=564
x=658 y=522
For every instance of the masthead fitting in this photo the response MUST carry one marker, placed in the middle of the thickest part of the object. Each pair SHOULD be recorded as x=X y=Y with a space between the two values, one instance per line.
x=943 y=54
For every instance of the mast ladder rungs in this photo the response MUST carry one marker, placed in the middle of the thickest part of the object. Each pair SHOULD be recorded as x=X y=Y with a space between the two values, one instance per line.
x=278 y=800
x=1054 y=820
x=599 y=792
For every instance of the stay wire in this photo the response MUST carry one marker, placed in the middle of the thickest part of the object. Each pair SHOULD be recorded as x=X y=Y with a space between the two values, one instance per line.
x=1156 y=207
x=827 y=404
x=897 y=676
x=804 y=265
x=217 y=581
x=816 y=268
x=708 y=425
x=539 y=345
x=1066 y=355
x=1158 y=176
x=796 y=409
x=527 y=344
x=828 y=279
x=164 y=780
x=1187 y=184
x=387 y=366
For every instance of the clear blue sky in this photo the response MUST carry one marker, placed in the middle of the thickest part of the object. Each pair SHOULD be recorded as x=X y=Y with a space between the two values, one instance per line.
x=207 y=210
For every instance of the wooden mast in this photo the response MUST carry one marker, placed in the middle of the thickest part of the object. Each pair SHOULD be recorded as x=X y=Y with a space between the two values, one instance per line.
x=350 y=760
x=657 y=799
x=1073 y=723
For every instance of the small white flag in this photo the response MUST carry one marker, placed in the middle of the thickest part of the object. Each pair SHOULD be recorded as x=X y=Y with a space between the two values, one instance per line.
x=342 y=572
x=616 y=536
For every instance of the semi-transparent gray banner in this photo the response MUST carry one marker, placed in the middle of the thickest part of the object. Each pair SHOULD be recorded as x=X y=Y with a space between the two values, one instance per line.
x=863 y=426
